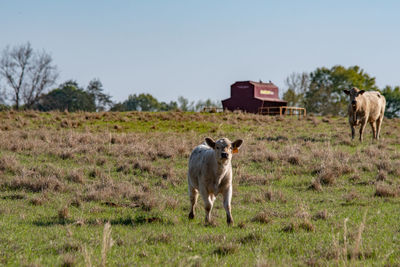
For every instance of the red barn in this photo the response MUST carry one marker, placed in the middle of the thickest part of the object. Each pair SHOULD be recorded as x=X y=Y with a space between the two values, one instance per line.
x=250 y=96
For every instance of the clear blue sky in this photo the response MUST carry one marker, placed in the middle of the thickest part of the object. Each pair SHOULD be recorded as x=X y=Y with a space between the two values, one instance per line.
x=197 y=49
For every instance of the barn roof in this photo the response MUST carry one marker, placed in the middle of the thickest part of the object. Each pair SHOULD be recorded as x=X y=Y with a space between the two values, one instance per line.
x=263 y=84
x=257 y=83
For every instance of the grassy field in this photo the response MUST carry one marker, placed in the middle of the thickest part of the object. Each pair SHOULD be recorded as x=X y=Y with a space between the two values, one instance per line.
x=304 y=193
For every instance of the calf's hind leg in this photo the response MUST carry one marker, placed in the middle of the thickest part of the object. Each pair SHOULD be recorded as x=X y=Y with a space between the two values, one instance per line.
x=373 y=126
x=378 y=127
x=193 y=195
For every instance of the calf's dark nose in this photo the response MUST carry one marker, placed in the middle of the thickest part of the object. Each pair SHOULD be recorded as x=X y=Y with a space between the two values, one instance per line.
x=353 y=102
x=224 y=155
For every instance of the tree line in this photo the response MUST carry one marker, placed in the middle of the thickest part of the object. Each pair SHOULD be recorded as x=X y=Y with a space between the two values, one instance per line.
x=28 y=78
x=321 y=91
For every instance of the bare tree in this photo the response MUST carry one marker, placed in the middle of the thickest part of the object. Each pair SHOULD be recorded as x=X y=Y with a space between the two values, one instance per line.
x=27 y=73
x=297 y=85
x=42 y=75
x=3 y=96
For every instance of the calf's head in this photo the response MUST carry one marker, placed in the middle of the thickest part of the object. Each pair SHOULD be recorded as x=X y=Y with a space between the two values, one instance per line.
x=354 y=94
x=223 y=148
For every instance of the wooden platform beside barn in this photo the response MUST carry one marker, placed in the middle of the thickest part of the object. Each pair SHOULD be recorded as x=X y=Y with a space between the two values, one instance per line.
x=283 y=110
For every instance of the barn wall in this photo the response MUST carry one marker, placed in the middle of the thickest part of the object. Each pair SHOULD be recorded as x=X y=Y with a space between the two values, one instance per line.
x=249 y=96
x=250 y=105
x=266 y=92
x=242 y=90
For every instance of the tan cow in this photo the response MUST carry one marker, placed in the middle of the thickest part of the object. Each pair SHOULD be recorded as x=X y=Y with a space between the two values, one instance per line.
x=366 y=107
x=210 y=173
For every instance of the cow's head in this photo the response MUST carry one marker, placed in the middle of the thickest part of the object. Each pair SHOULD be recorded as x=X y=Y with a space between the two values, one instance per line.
x=354 y=93
x=224 y=148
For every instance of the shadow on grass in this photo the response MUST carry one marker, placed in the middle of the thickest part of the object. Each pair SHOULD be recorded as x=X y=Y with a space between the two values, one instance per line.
x=127 y=220
x=14 y=197
x=52 y=221
x=312 y=139
x=272 y=138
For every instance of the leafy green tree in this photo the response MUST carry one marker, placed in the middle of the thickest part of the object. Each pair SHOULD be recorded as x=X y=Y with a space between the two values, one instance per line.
x=102 y=100
x=68 y=96
x=141 y=102
x=147 y=102
x=325 y=94
x=118 y=107
x=4 y=107
x=207 y=103
x=392 y=95
x=131 y=103
x=185 y=105
x=163 y=106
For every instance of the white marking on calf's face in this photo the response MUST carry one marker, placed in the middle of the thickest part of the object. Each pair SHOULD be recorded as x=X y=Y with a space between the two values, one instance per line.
x=223 y=148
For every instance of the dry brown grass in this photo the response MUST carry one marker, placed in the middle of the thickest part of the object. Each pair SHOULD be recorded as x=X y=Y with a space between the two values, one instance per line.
x=262 y=217
x=321 y=215
x=226 y=249
x=249 y=179
x=107 y=189
x=262 y=155
x=385 y=190
x=274 y=195
x=250 y=238
x=294 y=160
x=68 y=260
x=106 y=244
x=38 y=200
x=295 y=226
x=384 y=165
x=382 y=175
x=327 y=177
x=9 y=164
x=351 y=196
x=307 y=225
x=316 y=185
x=142 y=165
x=97 y=173
x=63 y=213
x=350 y=247
x=159 y=238
x=76 y=176
x=35 y=184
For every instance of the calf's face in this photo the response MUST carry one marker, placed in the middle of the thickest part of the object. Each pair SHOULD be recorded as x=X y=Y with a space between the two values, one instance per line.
x=223 y=148
x=354 y=93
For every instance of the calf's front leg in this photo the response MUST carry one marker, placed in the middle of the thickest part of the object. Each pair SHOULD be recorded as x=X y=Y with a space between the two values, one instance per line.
x=227 y=194
x=363 y=124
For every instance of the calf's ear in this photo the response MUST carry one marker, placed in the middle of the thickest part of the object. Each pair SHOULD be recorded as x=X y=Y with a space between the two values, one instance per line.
x=210 y=142
x=347 y=92
x=237 y=143
x=361 y=92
